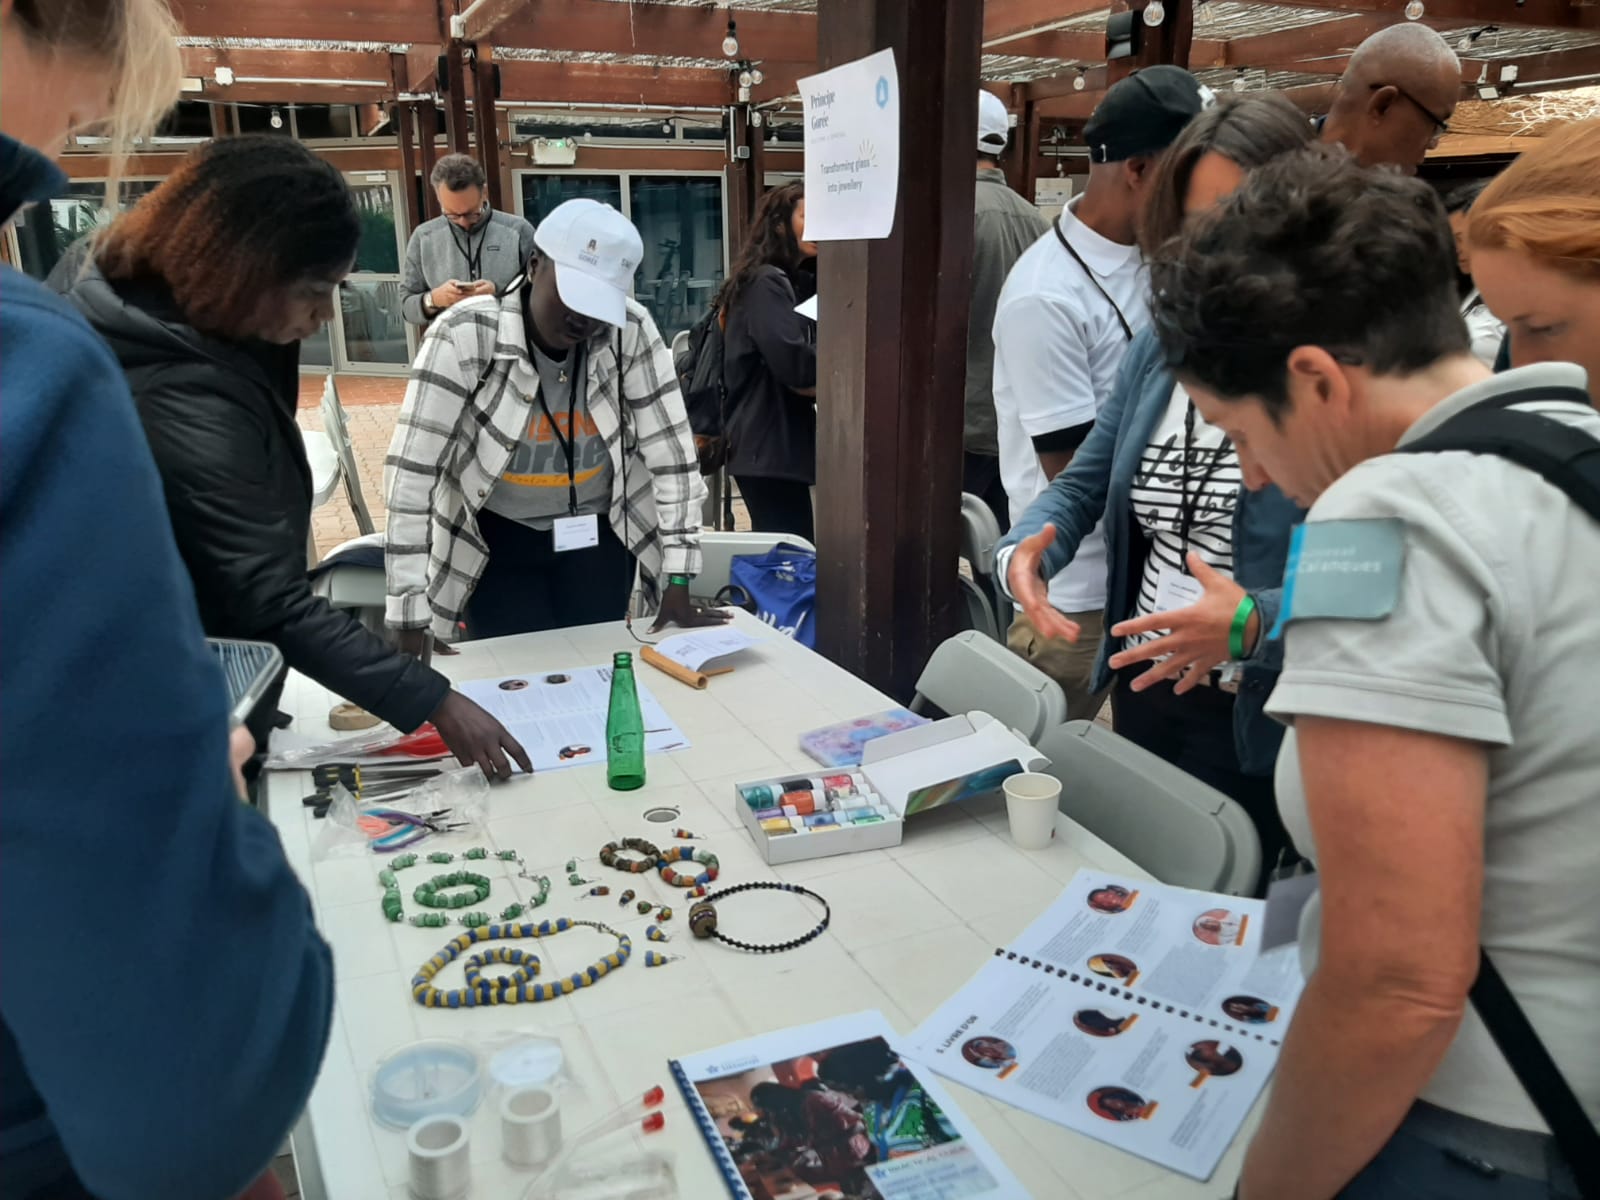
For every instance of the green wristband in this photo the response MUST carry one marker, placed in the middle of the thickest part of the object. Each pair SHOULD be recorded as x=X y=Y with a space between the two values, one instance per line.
x=1241 y=621
x=678 y=580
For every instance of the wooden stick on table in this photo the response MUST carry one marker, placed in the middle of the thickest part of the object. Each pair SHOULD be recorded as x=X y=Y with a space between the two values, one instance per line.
x=695 y=679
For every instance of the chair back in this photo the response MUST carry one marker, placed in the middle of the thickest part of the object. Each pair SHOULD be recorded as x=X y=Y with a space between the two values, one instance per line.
x=338 y=431
x=1182 y=831
x=980 y=616
x=718 y=550
x=980 y=534
x=973 y=673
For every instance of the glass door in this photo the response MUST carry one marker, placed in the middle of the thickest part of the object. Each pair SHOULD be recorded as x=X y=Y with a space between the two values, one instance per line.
x=368 y=335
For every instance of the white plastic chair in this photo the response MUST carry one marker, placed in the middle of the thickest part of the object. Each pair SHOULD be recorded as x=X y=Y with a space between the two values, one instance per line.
x=1182 y=831
x=337 y=429
x=973 y=673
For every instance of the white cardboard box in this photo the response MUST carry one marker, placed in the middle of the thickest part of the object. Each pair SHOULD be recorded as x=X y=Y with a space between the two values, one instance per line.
x=968 y=754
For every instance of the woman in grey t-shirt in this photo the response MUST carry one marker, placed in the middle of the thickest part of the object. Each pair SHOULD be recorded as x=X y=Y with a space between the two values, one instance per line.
x=1441 y=638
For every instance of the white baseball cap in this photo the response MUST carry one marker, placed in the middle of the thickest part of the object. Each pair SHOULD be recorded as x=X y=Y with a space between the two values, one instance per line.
x=994 y=123
x=595 y=250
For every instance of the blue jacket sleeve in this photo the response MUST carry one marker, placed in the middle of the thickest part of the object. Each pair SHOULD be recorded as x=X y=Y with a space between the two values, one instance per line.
x=1076 y=499
x=1268 y=654
x=165 y=983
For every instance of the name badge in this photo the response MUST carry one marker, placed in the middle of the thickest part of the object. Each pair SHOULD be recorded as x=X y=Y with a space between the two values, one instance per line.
x=1174 y=589
x=1345 y=570
x=576 y=533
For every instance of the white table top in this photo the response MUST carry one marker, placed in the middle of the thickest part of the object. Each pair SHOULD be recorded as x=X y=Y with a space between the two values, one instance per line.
x=910 y=925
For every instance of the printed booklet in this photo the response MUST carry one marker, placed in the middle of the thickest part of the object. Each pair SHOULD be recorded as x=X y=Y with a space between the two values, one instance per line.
x=831 y=1109
x=1142 y=1015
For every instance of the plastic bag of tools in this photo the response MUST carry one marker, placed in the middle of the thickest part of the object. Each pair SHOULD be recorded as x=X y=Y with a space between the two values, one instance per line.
x=362 y=814
x=289 y=750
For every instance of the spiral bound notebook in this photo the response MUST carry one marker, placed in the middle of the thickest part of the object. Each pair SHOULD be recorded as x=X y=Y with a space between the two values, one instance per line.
x=1140 y=1015
x=832 y=1107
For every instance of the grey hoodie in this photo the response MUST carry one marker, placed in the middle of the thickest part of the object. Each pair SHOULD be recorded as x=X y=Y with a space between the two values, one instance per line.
x=434 y=256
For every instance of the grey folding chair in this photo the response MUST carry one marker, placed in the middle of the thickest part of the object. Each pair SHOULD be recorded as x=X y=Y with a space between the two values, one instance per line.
x=980 y=534
x=356 y=585
x=1182 y=831
x=717 y=552
x=980 y=616
x=338 y=431
x=974 y=673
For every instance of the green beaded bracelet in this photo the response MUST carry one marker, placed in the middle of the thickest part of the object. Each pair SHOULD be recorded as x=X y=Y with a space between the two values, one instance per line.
x=428 y=894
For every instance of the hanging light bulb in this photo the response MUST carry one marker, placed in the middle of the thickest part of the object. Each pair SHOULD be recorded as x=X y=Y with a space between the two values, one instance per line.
x=276 y=119
x=1154 y=13
x=1414 y=10
x=755 y=117
x=1239 y=82
x=1079 y=82
x=666 y=128
x=1203 y=14
x=730 y=44
x=757 y=77
x=746 y=79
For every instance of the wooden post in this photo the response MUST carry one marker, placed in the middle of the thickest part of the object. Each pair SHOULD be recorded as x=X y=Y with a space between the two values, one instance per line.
x=403 y=123
x=1029 y=172
x=455 y=113
x=483 y=116
x=758 y=160
x=221 y=125
x=892 y=355
x=1168 y=42
x=427 y=140
x=508 y=177
x=735 y=181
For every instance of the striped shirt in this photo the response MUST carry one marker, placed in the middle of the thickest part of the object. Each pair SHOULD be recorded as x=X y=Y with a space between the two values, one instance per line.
x=466 y=411
x=1210 y=480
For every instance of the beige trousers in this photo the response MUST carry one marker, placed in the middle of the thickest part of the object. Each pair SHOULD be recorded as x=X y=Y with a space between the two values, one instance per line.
x=1071 y=664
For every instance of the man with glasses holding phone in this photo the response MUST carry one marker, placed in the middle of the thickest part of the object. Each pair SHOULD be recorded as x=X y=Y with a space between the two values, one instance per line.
x=469 y=249
x=1396 y=97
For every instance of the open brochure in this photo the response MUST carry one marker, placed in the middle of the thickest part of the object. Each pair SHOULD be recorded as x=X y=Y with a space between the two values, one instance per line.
x=1142 y=1015
x=831 y=1109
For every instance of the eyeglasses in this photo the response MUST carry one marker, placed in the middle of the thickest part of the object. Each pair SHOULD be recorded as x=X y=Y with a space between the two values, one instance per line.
x=466 y=218
x=1441 y=125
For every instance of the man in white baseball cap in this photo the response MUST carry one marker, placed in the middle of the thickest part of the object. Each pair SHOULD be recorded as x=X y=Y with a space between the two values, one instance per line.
x=1004 y=225
x=574 y=465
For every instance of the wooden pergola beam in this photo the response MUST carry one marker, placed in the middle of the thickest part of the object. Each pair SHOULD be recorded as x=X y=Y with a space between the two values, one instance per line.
x=1002 y=18
x=1069 y=45
x=394 y=21
x=480 y=19
x=607 y=83
x=663 y=30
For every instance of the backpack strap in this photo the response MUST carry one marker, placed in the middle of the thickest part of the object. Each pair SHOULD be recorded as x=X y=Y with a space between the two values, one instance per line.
x=1569 y=459
x=1565 y=457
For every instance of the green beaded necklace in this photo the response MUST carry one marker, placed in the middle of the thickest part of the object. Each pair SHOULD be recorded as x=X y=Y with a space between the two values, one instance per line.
x=431 y=894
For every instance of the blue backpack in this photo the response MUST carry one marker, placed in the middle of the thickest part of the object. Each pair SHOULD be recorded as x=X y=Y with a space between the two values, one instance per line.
x=779 y=587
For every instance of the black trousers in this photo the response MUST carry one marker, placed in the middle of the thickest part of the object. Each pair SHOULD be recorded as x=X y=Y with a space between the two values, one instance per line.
x=1194 y=732
x=527 y=587
x=778 y=505
x=980 y=476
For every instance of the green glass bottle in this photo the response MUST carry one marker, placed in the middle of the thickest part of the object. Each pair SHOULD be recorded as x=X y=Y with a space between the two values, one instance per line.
x=624 y=728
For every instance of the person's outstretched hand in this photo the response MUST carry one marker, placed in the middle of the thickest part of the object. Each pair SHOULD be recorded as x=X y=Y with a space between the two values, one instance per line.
x=1194 y=639
x=475 y=737
x=677 y=609
x=1028 y=587
x=241 y=745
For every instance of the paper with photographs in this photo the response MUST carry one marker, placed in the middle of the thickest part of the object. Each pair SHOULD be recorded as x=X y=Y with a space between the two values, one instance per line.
x=560 y=716
x=832 y=1110
x=1142 y=1015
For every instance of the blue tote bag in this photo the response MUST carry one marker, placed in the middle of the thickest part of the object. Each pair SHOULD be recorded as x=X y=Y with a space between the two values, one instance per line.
x=780 y=587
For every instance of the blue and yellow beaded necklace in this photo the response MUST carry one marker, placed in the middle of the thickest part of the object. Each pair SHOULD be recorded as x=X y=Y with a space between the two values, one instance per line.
x=518 y=987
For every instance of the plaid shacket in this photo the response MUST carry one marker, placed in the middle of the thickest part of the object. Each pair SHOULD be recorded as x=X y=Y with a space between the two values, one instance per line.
x=455 y=439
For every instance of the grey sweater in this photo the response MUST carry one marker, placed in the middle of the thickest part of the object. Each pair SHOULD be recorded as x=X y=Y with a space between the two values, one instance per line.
x=434 y=256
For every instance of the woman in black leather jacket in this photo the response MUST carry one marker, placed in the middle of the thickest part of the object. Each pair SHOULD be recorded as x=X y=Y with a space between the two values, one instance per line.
x=204 y=292
x=770 y=360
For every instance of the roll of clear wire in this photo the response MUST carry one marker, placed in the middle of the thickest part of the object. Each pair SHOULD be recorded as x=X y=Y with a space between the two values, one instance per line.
x=441 y=1166
x=530 y=1126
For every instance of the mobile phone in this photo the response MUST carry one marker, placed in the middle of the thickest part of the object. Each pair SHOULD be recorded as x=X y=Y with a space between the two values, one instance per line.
x=249 y=669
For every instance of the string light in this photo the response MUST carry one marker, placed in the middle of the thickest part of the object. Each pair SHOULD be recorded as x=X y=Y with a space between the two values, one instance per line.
x=757 y=77
x=1079 y=82
x=746 y=79
x=276 y=119
x=730 y=44
x=1414 y=10
x=1239 y=82
x=1154 y=13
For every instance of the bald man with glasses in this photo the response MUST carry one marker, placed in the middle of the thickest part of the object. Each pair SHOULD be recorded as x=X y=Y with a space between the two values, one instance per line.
x=469 y=249
x=1396 y=97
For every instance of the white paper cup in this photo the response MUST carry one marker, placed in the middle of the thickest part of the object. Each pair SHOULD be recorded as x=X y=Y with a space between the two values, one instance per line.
x=1032 y=801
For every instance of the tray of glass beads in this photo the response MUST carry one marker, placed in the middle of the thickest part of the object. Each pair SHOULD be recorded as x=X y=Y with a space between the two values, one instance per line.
x=812 y=816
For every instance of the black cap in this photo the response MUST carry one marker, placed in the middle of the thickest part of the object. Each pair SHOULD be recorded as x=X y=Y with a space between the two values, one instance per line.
x=1144 y=113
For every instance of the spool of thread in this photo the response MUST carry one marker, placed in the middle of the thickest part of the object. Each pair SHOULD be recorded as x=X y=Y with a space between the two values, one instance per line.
x=840 y=781
x=821 y=820
x=869 y=819
x=767 y=814
x=804 y=803
x=530 y=1126
x=760 y=795
x=441 y=1164
x=776 y=825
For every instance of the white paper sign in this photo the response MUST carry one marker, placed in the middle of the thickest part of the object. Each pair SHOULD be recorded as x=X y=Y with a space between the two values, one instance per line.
x=852 y=122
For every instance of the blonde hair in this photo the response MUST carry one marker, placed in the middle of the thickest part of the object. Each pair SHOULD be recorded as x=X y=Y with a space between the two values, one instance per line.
x=136 y=40
x=1547 y=203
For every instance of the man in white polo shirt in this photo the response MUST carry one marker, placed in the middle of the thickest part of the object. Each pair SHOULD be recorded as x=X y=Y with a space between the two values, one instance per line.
x=1065 y=317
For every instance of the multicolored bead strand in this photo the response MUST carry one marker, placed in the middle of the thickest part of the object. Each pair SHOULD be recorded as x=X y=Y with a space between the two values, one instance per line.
x=675 y=854
x=611 y=850
x=427 y=894
x=511 y=990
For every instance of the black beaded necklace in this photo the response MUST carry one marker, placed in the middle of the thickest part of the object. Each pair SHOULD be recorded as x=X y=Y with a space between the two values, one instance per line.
x=703 y=917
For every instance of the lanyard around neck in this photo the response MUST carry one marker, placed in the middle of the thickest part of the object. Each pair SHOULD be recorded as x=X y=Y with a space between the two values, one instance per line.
x=1127 y=330
x=1187 y=508
x=474 y=257
x=568 y=443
